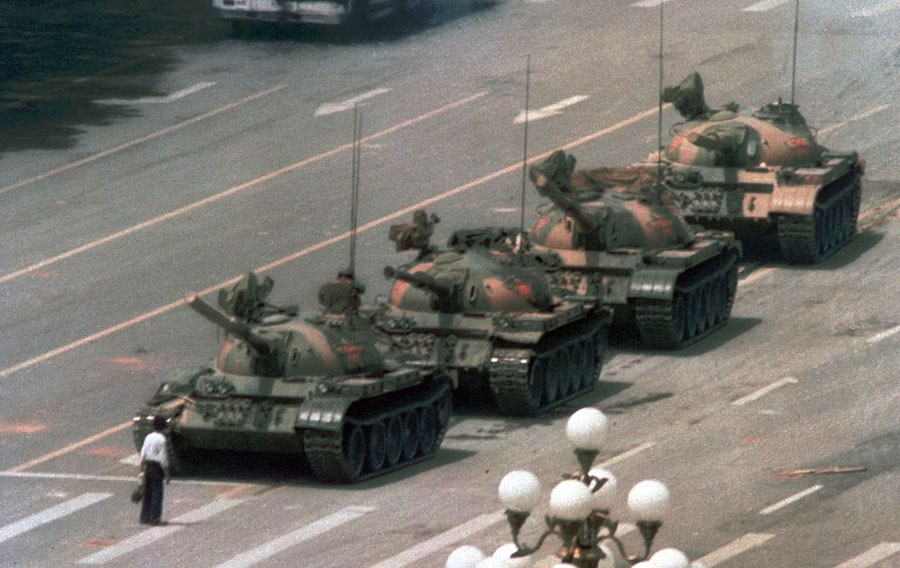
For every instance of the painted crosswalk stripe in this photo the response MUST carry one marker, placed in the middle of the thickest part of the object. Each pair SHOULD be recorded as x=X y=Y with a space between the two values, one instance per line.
x=51 y=514
x=764 y=391
x=871 y=556
x=450 y=537
x=765 y=5
x=734 y=548
x=154 y=534
x=785 y=502
x=293 y=538
x=648 y=3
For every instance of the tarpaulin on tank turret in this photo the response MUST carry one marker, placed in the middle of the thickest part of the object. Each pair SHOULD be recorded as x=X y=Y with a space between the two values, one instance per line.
x=687 y=97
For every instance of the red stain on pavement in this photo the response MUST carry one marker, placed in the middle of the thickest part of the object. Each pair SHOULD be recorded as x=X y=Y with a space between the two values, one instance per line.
x=47 y=273
x=750 y=441
x=130 y=363
x=22 y=428
x=99 y=542
x=103 y=451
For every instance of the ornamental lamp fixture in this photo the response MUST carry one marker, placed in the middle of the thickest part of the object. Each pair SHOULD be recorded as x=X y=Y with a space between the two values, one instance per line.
x=579 y=513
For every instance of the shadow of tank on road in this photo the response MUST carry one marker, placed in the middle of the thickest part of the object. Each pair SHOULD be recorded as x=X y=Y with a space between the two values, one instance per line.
x=631 y=344
x=58 y=58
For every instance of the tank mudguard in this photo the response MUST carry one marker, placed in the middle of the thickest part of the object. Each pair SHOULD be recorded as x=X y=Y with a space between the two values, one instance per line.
x=653 y=284
x=794 y=199
x=323 y=413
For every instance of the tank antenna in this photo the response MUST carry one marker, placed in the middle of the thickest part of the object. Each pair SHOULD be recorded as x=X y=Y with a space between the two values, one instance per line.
x=794 y=62
x=354 y=186
x=524 y=151
x=659 y=146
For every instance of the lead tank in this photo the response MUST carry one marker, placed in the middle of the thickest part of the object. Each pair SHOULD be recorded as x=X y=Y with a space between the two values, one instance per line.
x=491 y=320
x=319 y=385
x=622 y=242
x=761 y=172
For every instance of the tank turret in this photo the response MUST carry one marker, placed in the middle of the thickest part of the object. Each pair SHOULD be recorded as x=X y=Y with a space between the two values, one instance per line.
x=486 y=314
x=761 y=173
x=320 y=384
x=621 y=240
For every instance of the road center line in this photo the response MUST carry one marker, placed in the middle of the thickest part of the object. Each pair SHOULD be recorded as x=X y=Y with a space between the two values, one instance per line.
x=884 y=334
x=829 y=129
x=875 y=554
x=236 y=189
x=113 y=478
x=157 y=134
x=436 y=543
x=625 y=455
x=282 y=543
x=150 y=536
x=764 y=391
x=765 y=5
x=310 y=249
x=51 y=514
x=362 y=228
x=732 y=549
x=789 y=500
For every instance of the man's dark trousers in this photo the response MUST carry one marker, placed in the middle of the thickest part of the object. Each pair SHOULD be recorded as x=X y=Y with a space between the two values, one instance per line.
x=151 y=507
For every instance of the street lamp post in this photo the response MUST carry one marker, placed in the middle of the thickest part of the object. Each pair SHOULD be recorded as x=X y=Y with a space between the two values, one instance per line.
x=579 y=513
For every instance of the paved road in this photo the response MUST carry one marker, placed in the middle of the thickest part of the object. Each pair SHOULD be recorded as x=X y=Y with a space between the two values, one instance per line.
x=237 y=162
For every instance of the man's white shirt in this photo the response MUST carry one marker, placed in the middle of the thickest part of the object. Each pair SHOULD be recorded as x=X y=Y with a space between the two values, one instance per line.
x=154 y=449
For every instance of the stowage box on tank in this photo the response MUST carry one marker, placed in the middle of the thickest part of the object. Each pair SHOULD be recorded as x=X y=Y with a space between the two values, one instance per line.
x=622 y=242
x=318 y=386
x=491 y=320
x=761 y=172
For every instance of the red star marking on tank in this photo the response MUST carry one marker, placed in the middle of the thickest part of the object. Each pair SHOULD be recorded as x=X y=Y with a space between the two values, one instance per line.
x=523 y=288
x=541 y=223
x=350 y=351
x=676 y=143
x=664 y=225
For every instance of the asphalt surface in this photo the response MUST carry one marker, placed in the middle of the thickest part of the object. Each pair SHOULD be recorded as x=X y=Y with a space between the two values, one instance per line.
x=217 y=163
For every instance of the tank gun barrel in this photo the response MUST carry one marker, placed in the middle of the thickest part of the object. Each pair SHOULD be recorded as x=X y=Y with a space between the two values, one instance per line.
x=549 y=188
x=419 y=280
x=231 y=325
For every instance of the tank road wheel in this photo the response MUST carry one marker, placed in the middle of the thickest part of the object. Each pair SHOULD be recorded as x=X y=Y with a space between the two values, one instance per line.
x=357 y=14
x=565 y=372
x=577 y=367
x=692 y=315
x=551 y=382
x=376 y=446
x=703 y=308
x=393 y=438
x=410 y=435
x=716 y=302
x=444 y=410
x=601 y=341
x=354 y=452
x=589 y=363
x=427 y=430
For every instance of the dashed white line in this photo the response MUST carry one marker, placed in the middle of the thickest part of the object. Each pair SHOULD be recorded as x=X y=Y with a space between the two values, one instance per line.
x=649 y=3
x=150 y=536
x=732 y=549
x=123 y=478
x=158 y=100
x=764 y=391
x=875 y=554
x=293 y=538
x=884 y=334
x=871 y=112
x=765 y=5
x=51 y=514
x=549 y=110
x=141 y=140
x=625 y=455
x=331 y=108
x=792 y=499
x=886 y=6
x=442 y=540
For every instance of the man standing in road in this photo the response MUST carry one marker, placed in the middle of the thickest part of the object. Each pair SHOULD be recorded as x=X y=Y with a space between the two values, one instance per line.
x=155 y=467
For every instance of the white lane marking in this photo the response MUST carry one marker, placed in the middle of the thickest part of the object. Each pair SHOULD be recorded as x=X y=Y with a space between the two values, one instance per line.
x=51 y=514
x=336 y=239
x=764 y=391
x=331 y=108
x=549 y=110
x=884 y=334
x=293 y=538
x=234 y=189
x=625 y=455
x=154 y=534
x=141 y=140
x=434 y=544
x=765 y=5
x=886 y=6
x=516 y=167
x=506 y=209
x=133 y=459
x=756 y=274
x=792 y=499
x=871 y=112
x=648 y=3
x=159 y=100
x=875 y=554
x=124 y=478
x=732 y=549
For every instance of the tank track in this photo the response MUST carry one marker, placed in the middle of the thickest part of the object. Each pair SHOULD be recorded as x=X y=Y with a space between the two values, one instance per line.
x=531 y=381
x=808 y=239
x=383 y=434
x=704 y=296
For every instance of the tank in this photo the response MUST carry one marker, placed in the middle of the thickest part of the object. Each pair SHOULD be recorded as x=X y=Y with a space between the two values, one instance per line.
x=318 y=385
x=761 y=173
x=622 y=242
x=490 y=319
